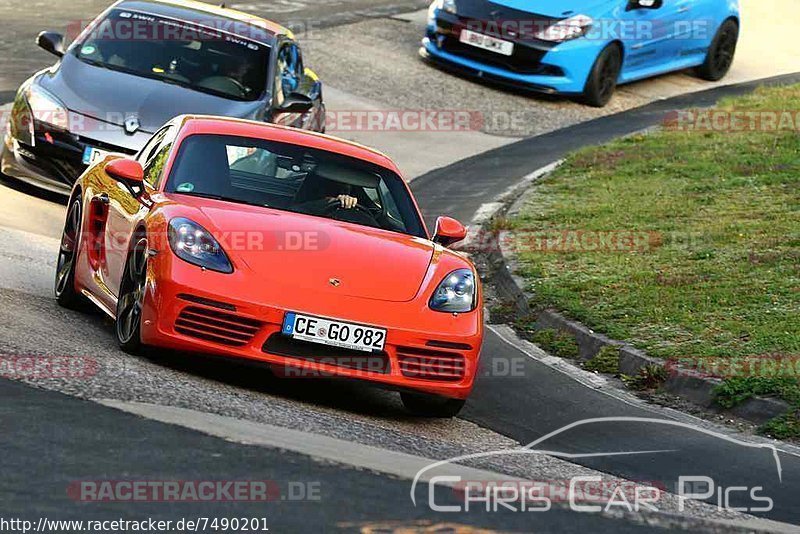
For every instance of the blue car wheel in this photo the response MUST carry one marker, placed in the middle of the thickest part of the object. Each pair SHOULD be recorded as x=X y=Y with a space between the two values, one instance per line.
x=602 y=81
x=720 y=54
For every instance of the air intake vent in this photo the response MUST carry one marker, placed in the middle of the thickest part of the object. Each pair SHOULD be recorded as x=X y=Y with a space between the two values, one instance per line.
x=431 y=364
x=217 y=327
x=371 y=362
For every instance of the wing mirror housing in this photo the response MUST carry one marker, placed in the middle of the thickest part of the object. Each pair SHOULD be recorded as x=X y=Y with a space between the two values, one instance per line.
x=449 y=231
x=129 y=172
x=297 y=103
x=52 y=42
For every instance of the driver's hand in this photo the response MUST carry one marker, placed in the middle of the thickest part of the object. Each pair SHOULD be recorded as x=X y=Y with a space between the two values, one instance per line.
x=347 y=201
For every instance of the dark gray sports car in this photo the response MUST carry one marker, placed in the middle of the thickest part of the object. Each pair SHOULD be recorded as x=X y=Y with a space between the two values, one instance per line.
x=141 y=63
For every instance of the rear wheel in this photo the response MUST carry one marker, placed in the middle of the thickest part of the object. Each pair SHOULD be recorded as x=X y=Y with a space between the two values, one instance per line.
x=431 y=405
x=128 y=326
x=720 y=54
x=603 y=78
x=65 y=292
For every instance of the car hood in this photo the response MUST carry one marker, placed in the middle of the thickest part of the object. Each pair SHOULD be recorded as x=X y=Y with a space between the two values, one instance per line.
x=112 y=96
x=554 y=9
x=296 y=251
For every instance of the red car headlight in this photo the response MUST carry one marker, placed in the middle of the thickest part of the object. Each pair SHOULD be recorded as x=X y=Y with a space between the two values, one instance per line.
x=458 y=293
x=194 y=244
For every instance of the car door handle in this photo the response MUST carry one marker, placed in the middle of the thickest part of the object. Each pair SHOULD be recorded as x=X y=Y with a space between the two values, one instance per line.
x=684 y=9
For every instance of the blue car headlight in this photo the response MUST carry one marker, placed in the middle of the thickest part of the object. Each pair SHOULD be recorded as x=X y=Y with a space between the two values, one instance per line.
x=194 y=244
x=566 y=30
x=445 y=5
x=456 y=294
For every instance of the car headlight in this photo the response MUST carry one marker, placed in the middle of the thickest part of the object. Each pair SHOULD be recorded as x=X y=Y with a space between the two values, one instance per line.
x=567 y=29
x=457 y=293
x=46 y=108
x=445 y=5
x=194 y=244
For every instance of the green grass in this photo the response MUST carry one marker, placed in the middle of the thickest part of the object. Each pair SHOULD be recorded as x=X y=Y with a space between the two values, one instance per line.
x=722 y=275
x=553 y=341
x=606 y=361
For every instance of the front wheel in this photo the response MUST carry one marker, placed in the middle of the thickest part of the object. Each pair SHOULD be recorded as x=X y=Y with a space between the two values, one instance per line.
x=720 y=54
x=128 y=326
x=430 y=405
x=65 y=292
x=603 y=78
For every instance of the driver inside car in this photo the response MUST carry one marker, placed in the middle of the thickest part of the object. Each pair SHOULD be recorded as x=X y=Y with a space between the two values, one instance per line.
x=324 y=197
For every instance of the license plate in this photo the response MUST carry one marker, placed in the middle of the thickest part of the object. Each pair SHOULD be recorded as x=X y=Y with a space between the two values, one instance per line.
x=92 y=155
x=335 y=333
x=487 y=42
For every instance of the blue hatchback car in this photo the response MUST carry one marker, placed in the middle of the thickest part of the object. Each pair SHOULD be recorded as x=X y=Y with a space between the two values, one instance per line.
x=581 y=47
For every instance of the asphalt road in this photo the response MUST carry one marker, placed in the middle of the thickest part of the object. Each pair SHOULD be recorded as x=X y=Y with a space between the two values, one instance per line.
x=51 y=439
x=523 y=407
x=61 y=441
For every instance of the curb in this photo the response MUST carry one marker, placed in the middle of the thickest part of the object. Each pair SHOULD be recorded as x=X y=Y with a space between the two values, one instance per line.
x=682 y=382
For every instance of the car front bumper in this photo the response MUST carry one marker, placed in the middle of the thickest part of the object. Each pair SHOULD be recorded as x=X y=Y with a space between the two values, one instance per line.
x=53 y=159
x=537 y=66
x=425 y=351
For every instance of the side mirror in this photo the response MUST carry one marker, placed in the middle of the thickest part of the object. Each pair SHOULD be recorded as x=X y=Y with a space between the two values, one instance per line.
x=296 y=103
x=52 y=42
x=129 y=172
x=644 y=4
x=449 y=231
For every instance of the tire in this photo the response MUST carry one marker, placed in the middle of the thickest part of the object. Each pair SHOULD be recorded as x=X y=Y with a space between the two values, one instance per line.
x=603 y=77
x=128 y=325
x=430 y=405
x=721 y=52
x=64 y=286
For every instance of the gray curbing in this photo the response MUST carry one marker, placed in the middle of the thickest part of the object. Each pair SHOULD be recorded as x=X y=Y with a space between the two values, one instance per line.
x=697 y=389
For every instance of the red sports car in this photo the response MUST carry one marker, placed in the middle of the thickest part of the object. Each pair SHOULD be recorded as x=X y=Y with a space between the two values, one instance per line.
x=248 y=240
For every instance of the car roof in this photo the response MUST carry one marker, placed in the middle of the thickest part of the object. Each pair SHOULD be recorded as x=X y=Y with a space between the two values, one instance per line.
x=205 y=124
x=190 y=9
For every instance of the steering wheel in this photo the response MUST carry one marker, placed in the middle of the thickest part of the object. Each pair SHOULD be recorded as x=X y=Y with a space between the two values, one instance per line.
x=334 y=205
x=219 y=83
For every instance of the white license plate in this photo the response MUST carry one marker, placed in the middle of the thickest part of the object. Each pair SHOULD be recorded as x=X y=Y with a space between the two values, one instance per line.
x=487 y=42
x=92 y=155
x=335 y=333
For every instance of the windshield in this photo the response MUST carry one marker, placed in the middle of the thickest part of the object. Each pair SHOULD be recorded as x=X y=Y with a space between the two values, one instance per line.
x=178 y=52
x=294 y=178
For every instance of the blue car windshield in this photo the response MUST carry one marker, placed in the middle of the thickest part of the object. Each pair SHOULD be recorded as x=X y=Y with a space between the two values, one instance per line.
x=184 y=53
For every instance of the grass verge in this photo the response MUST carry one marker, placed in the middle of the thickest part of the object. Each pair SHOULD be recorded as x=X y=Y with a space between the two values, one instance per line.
x=683 y=243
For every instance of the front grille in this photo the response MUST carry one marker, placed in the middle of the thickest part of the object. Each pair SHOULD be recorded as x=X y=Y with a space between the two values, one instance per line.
x=431 y=364
x=524 y=60
x=216 y=326
x=528 y=51
x=281 y=345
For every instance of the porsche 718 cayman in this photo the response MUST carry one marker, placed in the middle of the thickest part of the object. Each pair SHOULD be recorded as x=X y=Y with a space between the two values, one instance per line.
x=250 y=240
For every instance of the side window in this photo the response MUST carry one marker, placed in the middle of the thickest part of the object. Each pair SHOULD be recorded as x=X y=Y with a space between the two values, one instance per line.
x=290 y=70
x=150 y=147
x=156 y=156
